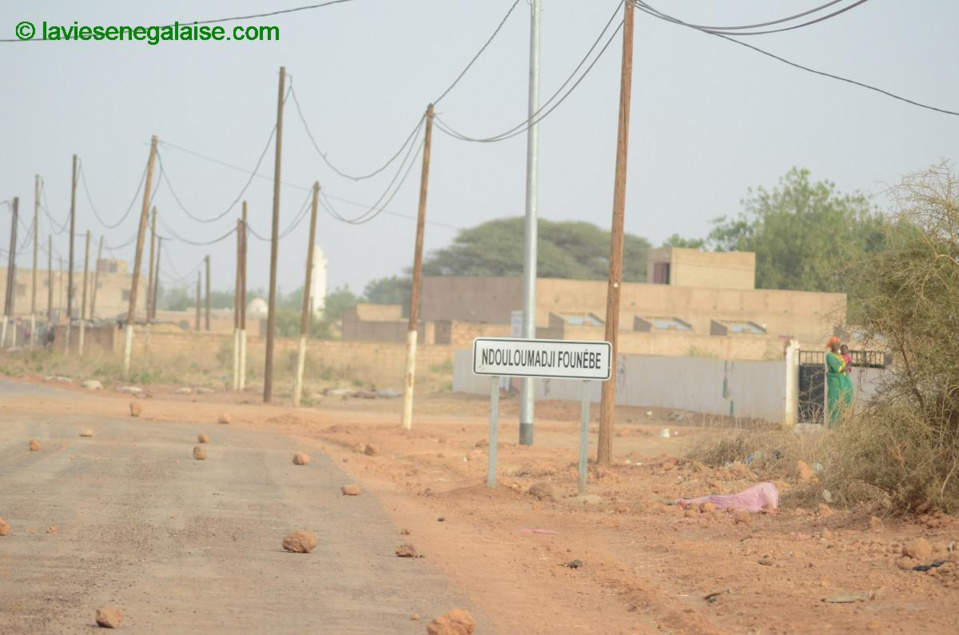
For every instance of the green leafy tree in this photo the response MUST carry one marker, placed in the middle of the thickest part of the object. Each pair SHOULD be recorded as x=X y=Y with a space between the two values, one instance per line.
x=571 y=249
x=804 y=233
x=690 y=243
x=392 y=290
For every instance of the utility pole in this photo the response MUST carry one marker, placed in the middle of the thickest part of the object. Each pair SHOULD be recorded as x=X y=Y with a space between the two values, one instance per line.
x=413 y=328
x=36 y=249
x=96 y=280
x=236 y=305
x=83 y=304
x=305 y=317
x=49 y=281
x=208 y=293
x=198 y=301
x=604 y=452
x=73 y=218
x=149 y=298
x=271 y=316
x=141 y=234
x=9 y=300
x=156 y=281
x=527 y=386
x=243 y=302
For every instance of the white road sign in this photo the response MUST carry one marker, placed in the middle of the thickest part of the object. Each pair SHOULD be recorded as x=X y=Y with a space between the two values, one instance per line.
x=541 y=358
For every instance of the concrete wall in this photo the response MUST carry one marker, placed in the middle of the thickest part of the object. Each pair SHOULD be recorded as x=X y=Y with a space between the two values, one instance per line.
x=695 y=268
x=461 y=334
x=112 y=291
x=710 y=386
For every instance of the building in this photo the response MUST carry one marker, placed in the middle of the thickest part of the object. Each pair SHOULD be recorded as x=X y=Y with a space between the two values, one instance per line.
x=694 y=303
x=112 y=290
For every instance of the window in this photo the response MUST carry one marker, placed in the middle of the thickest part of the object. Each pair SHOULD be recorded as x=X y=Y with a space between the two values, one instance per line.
x=661 y=273
x=736 y=327
x=647 y=324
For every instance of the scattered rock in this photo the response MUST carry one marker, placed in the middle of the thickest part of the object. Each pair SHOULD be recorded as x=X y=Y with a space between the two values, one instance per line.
x=300 y=542
x=585 y=499
x=388 y=394
x=223 y=418
x=668 y=466
x=766 y=561
x=573 y=564
x=351 y=490
x=875 y=523
x=826 y=534
x=52 y=529
x=707 y=507
x=827 y=495
x=109 y=617
x=542 y=491
x=130 y=390
x=906 y=564
x=92 y=384
x=202 y=438
x=340 y=392
x=456 y=622
x=62 y=379
x=86 y=432
x=34 y=445
x=4 y=527
x=404 y=532
x=415 y=617
x=918 y=549
x=301 y=458
x=204 y=391
x=850 y=598
x=406 y=550
x=441 y=519
x=185 y=390
x=135 y=409
x=482 y=443
x=825 y=510
x=370 y=450
x=805 y=472
x=364 y=394
x=199 y=453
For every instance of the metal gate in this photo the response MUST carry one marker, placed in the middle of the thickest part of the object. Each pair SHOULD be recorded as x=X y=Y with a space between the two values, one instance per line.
x=812 y=386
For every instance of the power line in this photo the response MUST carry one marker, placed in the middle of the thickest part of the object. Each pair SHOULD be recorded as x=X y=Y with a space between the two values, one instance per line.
x=86 y=189
x=808 y=69
x=300 y=215
x=546 y=108
x=744 y=29
x=46 y=211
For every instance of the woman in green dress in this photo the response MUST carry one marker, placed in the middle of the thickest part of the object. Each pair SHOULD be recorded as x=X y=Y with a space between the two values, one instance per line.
x=837 y=393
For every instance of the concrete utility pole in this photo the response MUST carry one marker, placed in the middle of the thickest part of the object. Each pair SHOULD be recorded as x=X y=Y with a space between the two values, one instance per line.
x=198 y=301
x=604 y=453
x=275 y=243
x=153 y=242
x=50 y=281
x=8 y=302
x=305 y=317
x=208 y=293
x=36 y=249
x=156 y=281
x=413 y=331
x=141 y=234
x=96 y=280
x=243 y=302
x=83 y=295
x=73 y=218
x=236 y=305
x=530 y=238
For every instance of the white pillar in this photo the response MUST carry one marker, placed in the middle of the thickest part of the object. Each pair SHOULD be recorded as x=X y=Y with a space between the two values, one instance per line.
x=300 y=363
x=791 y=402
x=410 y=376
x=242 y=359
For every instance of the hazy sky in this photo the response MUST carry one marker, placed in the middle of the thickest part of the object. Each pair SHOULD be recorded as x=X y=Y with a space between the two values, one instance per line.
x=709 y=118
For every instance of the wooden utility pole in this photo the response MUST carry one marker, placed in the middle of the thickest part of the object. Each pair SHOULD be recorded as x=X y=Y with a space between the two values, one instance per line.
x=208 y=293
x=305 y=317
x=36 y=249
x=96 y=280
x=412 y=333
x=156 y=281
x=236 y=305
x=604 y=452
x=141 y=234
x=83 y=295
x=243 y=302
x=275 y=243
x=8 y=302
x=198 y=301
x=73 y=219
x=50 y=281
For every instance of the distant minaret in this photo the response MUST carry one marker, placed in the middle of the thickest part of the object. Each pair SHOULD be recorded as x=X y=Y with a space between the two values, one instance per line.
x=318 y=283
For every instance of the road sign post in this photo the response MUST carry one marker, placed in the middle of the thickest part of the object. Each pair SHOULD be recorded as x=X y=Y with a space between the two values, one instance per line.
x=556 y=359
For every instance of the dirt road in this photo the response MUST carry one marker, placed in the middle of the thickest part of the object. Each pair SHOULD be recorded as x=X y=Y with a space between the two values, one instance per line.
x=192 y=546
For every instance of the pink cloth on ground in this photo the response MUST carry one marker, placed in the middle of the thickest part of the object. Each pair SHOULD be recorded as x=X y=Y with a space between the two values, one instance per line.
x=762 y=497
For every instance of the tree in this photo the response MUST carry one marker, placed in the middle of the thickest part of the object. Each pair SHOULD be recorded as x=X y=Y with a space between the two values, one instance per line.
x=337 y=303
x=571 y=249
x=804 y=234
x=392 y=290
x=689 y=243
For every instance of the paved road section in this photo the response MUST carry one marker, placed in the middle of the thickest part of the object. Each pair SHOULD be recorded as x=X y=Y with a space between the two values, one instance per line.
x=194 y=546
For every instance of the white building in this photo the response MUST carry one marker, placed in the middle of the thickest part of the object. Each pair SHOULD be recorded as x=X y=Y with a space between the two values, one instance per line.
x=318 y=282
